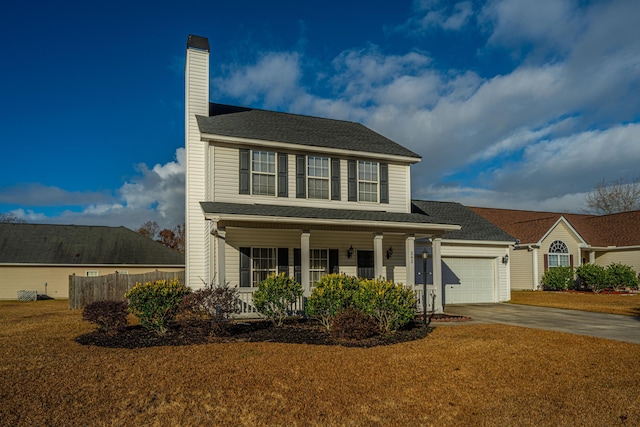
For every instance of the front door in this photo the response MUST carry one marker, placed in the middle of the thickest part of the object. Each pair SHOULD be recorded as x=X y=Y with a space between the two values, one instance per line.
x=366 y=268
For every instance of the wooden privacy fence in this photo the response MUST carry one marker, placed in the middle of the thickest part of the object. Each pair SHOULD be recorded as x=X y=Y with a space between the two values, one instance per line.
x=85 y=290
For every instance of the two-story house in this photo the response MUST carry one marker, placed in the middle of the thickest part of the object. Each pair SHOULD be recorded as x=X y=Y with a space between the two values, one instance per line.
x=270 y=192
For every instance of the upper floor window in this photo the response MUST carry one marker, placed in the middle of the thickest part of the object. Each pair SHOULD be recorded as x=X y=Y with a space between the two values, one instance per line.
x=559 y=254
x=263 y=173
x=318 y=177
x=367 y=181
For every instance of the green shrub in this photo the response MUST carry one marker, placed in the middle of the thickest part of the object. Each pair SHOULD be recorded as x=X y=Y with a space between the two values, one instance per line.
x=353 y=324
x=333 y=293
x=622 y=276
x=275 y=296
x=156 y=303
x=391 y=304
x=110 y=316
x=591 y=277
x=215 y=302
x=557 y=279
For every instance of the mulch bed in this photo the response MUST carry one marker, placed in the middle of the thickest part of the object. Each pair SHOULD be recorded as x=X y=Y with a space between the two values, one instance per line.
x=293 y=331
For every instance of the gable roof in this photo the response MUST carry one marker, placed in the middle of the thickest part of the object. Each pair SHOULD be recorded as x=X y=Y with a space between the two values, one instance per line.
x=621 y=229
x=474 y=226
x=81 y=245
x=240 y=122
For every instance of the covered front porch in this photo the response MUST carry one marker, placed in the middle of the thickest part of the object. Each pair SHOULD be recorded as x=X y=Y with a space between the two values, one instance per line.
x=250 y=242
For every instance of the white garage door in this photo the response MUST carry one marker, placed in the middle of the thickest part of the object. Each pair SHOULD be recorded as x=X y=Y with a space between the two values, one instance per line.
x=468 y=280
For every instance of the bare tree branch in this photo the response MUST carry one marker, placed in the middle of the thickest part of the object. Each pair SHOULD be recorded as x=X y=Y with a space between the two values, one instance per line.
x=621 y=195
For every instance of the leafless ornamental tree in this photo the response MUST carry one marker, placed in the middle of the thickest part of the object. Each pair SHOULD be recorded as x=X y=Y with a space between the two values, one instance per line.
x=8 y=217
x=621 y=195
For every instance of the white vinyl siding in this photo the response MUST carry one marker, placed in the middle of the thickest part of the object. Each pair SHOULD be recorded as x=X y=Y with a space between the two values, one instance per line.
x=224 y=181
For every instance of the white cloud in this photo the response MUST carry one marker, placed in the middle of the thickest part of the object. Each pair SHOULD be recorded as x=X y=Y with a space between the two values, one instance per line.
x=439 y=14
x=155 y=194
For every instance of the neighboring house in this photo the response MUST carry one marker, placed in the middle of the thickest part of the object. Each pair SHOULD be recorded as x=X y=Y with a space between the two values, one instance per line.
x=548 y=239
x=41 y=257
x=270 y=192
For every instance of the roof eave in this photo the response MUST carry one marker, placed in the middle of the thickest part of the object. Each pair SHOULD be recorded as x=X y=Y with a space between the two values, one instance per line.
x=209 y=137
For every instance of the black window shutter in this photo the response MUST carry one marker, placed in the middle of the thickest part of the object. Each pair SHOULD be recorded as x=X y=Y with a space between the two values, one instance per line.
x=244 y=172
x=384 y=183
x=335 y=179
x=301 y=177
x=283 y=261
x=297 y=265
x=245 y=267
x=283 y=191
x=334 y=256
x=352 y=184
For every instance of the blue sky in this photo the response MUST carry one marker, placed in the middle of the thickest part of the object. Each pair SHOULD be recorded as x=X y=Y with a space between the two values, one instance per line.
x=511 y=103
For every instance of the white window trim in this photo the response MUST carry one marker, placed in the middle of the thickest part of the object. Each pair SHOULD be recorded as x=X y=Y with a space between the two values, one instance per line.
x=320 y=271
x=326 y=179
x=274 y=270
x=365 y=181
x=92 y=273
x=560 y=255
x=267 y=174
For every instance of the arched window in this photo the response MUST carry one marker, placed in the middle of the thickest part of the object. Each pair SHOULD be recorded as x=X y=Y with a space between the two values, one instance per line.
x=558 y=254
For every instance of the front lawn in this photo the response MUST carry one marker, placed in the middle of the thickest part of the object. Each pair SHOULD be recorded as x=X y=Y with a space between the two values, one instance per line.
x=457 y=375
x=628 y=304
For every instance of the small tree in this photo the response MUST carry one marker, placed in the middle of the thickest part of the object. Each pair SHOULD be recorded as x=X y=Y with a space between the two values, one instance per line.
x=275 y=296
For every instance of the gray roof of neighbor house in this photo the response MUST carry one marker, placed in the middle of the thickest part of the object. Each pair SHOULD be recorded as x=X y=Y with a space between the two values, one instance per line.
x=260 y=210
x=474 y=227
x=274 y=126
x=81 y=244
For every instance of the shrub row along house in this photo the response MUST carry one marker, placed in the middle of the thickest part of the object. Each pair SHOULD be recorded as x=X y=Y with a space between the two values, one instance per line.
x=41 y=257
x=547 y=240
x=269 y=192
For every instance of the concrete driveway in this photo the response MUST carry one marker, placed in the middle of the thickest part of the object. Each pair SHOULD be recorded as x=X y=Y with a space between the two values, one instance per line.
x=611 y=326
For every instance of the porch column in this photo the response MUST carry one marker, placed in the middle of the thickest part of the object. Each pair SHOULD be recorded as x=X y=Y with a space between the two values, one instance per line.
x=534 y=263
x=437 y=274
x=304 y=261
x=377 y=257
x=410 y=260
x=592 y=257
x=220 y=273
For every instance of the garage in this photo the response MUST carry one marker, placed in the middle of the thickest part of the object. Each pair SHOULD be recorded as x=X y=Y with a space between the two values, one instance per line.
x=468 y=280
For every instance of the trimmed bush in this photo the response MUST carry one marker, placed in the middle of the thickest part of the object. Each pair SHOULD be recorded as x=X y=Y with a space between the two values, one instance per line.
x=332 y=294
x=275 y=296
x=591 y=277
x=215 y=302
x=391 y=304
x=110 y=316
x=156 y=303
x=557 y=279
x=353 y=324
x=622 y=276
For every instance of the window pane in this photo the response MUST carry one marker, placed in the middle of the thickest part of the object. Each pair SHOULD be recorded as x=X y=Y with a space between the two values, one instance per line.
x=264 y=264
x=367 y=192
x=318 y=188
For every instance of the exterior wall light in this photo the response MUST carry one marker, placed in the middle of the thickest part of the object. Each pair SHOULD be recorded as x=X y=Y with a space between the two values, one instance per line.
x=389 y=252
x=505 y=259
x=350 y=251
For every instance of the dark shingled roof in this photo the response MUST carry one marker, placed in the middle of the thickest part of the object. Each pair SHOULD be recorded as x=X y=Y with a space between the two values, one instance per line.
x=79 y=244
x=474 y=227
x=320 y=213
x=265 y=125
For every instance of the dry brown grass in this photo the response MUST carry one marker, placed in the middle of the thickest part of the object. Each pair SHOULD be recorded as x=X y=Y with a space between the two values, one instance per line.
x=628 y=305
x=458 y=375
